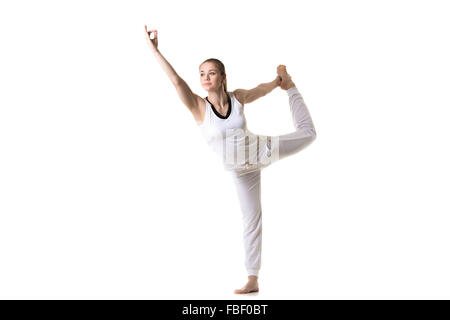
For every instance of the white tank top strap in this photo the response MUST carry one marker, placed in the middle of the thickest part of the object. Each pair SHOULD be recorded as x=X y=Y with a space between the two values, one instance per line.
x=236 y=101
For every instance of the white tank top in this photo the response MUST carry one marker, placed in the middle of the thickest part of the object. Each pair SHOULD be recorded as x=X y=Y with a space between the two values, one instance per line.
x=237 y=147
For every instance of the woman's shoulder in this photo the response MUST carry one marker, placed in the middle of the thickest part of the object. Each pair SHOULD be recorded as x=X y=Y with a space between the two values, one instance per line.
x=238 y=96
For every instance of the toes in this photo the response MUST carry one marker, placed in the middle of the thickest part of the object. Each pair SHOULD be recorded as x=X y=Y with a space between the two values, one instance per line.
x=281 y=70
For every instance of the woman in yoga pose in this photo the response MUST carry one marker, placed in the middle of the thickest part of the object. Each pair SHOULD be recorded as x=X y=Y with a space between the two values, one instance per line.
x=220 y=117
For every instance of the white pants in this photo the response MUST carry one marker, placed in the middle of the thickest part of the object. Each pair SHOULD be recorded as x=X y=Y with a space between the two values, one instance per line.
x=248 y=184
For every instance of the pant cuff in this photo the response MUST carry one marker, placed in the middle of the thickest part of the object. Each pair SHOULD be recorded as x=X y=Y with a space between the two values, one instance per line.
x=252 y=272
x=292 y=91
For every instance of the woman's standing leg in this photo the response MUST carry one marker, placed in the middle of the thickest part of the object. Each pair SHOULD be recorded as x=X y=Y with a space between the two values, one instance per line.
x=248 y=188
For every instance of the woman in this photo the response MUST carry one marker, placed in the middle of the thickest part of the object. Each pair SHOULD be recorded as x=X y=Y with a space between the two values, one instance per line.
x=244 y=154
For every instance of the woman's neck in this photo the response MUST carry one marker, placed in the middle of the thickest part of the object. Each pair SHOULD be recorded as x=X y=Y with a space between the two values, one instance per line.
x=218 y=99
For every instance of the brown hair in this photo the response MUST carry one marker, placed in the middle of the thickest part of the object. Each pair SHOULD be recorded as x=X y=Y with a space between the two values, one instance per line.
x=220 y=66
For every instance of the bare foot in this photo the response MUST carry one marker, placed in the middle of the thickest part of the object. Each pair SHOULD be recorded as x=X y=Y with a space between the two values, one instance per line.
x=286 y=81
x=251 y=286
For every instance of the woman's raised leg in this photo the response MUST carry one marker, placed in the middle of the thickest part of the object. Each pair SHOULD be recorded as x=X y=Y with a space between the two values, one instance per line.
x=304 y=133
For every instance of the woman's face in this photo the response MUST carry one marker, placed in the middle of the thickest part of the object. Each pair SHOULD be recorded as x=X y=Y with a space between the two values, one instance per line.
x=210 y=77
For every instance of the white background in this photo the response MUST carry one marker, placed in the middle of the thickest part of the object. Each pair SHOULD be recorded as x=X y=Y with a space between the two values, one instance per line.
x=108 y=190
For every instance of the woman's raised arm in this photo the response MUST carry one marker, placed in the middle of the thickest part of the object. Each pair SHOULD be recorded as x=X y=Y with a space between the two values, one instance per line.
x=190 y=99
x=153 y=44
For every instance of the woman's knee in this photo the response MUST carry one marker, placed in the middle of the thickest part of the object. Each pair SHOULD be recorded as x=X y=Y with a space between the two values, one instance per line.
x=293 y=146
x=310 y=138
x=313 y=135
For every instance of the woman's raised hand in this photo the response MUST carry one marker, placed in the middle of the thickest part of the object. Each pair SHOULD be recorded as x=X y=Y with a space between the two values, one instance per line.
x=153 y=43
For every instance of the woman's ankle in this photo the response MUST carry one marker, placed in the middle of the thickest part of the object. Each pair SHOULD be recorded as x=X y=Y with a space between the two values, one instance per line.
x=253 y=278
x=290 y=85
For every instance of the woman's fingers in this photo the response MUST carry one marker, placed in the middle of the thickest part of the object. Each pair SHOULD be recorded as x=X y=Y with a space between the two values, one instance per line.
x=153 y=43
x=149 y=32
